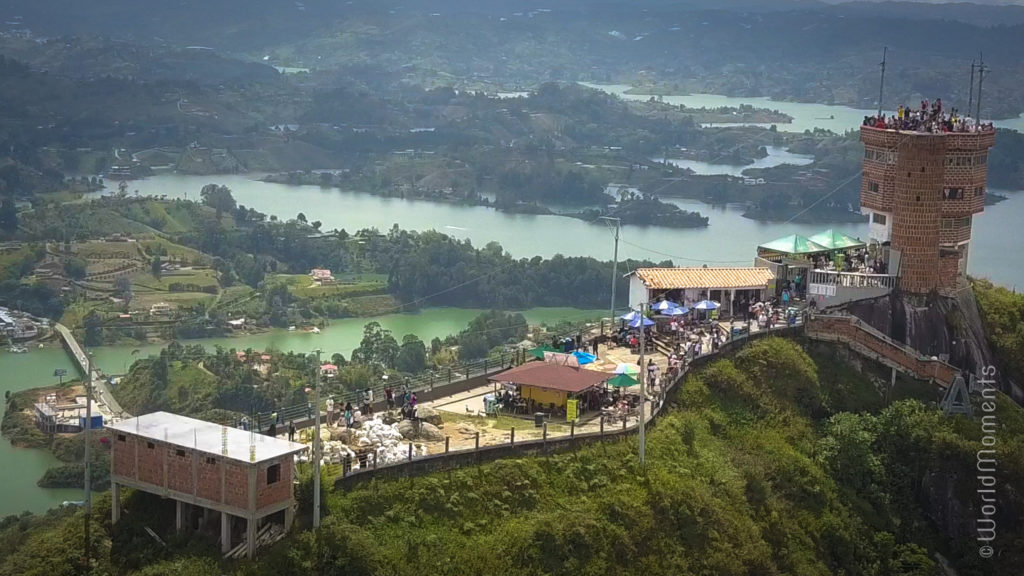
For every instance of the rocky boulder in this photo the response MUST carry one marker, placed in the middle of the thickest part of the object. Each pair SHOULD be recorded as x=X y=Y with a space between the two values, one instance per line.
x=429 y=415
x=422 y=431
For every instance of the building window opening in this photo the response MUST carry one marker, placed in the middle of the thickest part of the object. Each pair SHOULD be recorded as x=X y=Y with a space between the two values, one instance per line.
x=872 y=186
x=122 y=438
x=273 y=474
x=952 y=193
x=211 y=461
x=878 y=218
x=150 y=445
x=179 y=453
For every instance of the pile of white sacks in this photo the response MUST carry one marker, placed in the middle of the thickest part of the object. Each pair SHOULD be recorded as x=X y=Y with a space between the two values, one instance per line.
x=375 y=435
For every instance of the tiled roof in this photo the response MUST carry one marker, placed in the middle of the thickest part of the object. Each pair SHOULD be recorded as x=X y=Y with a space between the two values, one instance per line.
x=673 y=278
x=551 y=377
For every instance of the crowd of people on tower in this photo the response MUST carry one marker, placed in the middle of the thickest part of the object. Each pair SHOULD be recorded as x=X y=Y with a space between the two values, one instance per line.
x=929 y=117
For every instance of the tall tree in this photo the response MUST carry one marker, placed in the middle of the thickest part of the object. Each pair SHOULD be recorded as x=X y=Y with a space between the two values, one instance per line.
x=8 y=216
x=412 y=356
x=219 y=198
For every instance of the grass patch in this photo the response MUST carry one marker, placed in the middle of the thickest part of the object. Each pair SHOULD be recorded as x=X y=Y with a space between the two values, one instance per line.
x=101 y=250
x=179 y=253
x=146 y=282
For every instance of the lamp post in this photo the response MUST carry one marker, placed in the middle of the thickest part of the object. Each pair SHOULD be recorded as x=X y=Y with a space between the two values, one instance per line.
x=615 y=266
x=643 y=388
x=88 y=468
x=316 y=442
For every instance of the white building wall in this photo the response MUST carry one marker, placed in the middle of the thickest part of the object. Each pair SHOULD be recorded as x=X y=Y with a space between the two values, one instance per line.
x=878 y=232
x=637 y=292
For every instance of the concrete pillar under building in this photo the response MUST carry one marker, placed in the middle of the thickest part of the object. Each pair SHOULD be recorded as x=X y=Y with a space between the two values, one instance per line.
x=179 y=515
x=289 y=518
x=225 y=532
x=250 y=536
x=115 y=504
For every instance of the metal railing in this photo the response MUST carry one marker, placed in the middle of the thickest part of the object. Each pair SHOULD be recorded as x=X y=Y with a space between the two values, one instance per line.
x=426 y=381
x=608 y=427
x=852 y=279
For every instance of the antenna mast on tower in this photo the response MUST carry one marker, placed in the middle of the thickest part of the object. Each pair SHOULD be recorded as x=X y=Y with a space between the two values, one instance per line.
x=970 y=100
x=981 y=80
x=881 y=83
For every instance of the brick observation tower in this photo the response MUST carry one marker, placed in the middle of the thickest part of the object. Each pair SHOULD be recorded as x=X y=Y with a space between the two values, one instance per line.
x=920 y=191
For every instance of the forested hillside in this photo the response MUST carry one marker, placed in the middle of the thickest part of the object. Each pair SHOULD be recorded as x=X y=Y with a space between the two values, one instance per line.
x=769 y=462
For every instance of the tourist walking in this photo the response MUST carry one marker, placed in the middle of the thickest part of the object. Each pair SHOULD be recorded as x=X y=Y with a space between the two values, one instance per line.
x=330 y=411
x=389 y=395
x=349 y=416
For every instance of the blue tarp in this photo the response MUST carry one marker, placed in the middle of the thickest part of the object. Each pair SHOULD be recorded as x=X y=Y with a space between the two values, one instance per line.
x=584 y=357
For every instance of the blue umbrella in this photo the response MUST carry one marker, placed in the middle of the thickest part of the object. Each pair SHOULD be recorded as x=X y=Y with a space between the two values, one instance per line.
x=678 y=311
x=636 y=322
x=630 y=316
x=706 y=305
x=664 y=306
x=584 y=357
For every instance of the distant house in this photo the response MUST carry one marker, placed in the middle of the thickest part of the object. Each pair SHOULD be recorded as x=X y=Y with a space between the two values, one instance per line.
x=160 y=309
x=322 y=276
x=329 y=370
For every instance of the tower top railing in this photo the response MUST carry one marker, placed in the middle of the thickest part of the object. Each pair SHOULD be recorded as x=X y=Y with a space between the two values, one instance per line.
x=927 y=119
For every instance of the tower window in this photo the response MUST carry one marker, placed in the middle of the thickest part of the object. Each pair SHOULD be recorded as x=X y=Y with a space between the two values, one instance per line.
x=878 y=218
x=872 y=186
x=952 y=193
x=979 y=191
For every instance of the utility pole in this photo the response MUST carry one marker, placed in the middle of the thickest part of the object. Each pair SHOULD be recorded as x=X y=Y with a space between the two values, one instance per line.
x=88 y=468
x=643 y=388
x=316 y=442
x=615 y=272
x=970 y=99
x=981 y=80
x=881 y=84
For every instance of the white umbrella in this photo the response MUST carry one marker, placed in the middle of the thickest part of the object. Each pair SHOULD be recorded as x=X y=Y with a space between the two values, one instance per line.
x=706 y=305
x=664 y=306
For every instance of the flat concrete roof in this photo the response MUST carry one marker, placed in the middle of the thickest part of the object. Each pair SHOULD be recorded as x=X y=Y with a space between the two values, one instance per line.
x=206 y=437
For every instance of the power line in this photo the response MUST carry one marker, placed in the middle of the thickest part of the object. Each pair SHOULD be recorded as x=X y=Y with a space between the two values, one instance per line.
x=825 y=197
x=677 y=257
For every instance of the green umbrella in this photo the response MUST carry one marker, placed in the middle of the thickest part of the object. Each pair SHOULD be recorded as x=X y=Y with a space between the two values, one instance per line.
x=794 y=244
x=622 y=381
x=539 y=351
x=836 y=240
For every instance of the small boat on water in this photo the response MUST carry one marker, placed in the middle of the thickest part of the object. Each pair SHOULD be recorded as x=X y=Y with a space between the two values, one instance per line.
x=17 y=349
x=313 y=330
x=291 y=328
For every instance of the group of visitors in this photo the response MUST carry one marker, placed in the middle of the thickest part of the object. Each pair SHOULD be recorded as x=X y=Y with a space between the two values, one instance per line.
x=929 y=117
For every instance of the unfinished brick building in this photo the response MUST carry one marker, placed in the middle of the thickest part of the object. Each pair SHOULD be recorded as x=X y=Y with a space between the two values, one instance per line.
x=920 y=192
x=205 y=467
